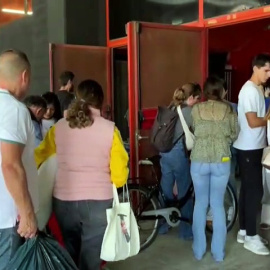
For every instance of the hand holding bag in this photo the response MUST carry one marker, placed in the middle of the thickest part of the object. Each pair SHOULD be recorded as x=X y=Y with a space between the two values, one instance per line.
x=188 y=134
x=121 y=239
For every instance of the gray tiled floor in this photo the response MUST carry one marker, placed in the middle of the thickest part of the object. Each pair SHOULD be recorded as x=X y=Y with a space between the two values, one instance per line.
x=170 y=253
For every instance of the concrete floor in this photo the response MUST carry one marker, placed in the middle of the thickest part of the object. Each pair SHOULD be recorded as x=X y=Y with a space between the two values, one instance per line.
x=170 y=253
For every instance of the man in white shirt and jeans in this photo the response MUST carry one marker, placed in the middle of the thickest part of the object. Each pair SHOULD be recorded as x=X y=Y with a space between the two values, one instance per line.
x=249 y=145
x=18 y=174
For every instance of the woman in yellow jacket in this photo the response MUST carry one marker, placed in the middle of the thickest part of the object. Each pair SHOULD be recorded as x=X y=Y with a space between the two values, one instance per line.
x=90 y=156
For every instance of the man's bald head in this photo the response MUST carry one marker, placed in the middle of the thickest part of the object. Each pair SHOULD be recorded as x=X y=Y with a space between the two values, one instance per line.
x=12 y=64
x=15 y=73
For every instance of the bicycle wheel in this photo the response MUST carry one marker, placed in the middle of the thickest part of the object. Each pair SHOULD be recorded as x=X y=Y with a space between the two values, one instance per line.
x=140 y=201
x=231 y=210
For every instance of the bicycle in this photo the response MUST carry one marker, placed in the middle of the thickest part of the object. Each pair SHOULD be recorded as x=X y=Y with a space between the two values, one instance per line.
x=151 y=210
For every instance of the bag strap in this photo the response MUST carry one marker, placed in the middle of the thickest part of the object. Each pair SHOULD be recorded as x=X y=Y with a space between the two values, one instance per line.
x=182 y=119
x=115 y=196
x=125 y=193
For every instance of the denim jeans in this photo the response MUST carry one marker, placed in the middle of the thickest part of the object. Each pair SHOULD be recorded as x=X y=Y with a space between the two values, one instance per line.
x=83 y=225
x=210 y=181
x=10 y=241
x=175 y=169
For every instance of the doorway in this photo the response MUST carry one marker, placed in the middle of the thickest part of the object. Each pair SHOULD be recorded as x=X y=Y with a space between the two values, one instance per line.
x=232 y=49
x=120 y=91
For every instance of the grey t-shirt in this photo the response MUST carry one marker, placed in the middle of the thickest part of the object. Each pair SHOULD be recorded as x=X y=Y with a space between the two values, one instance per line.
x=179 y=131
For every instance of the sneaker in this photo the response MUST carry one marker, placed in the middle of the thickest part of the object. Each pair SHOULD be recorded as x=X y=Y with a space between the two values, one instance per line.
x=256 y=246
x=241 y=238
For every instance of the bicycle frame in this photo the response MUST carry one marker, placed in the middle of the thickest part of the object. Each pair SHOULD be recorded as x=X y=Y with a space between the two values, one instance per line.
x=171 y=212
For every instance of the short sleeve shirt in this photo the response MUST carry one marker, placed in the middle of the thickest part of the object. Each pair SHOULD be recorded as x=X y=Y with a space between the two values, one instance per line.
x=251 y=99
x=16 y=127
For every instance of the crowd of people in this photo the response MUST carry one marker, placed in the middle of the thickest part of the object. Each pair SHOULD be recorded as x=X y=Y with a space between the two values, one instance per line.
x=34 y=128
x=222 y=132
x=41 y=126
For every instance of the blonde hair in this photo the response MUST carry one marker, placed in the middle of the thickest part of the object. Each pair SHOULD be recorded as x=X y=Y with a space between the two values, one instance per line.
x=179 y=97
x=181 y=94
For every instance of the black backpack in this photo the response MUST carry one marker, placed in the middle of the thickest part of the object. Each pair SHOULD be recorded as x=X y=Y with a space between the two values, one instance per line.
x=163 y=129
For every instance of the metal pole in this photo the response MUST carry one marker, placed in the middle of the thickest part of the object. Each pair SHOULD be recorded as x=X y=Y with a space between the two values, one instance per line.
x=26 y=7
x=201 y=12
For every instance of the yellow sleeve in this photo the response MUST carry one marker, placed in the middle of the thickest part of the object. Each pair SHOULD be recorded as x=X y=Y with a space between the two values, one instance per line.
x=46 y=148
x=119 y=161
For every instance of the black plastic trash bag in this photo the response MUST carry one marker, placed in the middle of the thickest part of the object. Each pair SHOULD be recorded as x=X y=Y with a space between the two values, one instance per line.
x=41 y=253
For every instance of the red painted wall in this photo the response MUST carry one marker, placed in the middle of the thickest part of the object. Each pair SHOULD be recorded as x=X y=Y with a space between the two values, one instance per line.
x=243 y=41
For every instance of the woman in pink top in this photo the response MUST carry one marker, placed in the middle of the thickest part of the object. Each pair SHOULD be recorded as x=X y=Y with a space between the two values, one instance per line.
x=91 y=157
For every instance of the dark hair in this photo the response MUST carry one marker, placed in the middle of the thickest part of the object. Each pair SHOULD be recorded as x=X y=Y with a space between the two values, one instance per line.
x=89 y=94
x=213 y=88
x=52 y=99
x=195 y=90
x=261 y=60
x=36 y=101
x=65 y=77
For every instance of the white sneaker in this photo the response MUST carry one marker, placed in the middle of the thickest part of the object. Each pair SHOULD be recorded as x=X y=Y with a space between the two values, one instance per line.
x=255 y=245
x=241 y=237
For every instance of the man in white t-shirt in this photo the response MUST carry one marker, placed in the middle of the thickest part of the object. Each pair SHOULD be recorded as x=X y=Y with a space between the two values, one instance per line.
x=249 y=145
x=18 y=174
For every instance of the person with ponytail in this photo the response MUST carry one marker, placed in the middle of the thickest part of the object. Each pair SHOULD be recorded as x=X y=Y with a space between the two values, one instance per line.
x=91 y=156
x=175 y=163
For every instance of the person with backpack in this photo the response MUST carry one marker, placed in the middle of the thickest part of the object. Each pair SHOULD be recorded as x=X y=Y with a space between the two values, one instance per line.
x=169 y=138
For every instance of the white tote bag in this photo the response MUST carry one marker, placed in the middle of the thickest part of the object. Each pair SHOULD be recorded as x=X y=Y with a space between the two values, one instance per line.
x=266 y=157
x=189 y=136
x=46 y=179
x=121 y=239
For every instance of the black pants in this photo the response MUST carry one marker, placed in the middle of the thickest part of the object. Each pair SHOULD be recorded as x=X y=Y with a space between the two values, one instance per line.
x=83 y=224
x=251 y=189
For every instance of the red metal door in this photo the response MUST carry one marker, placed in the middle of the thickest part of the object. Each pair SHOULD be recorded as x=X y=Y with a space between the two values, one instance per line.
x=161 y=58
x=86 y=62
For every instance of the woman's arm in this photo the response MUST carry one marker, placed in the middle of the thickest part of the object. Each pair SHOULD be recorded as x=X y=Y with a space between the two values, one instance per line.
x=234 y=126
x=119 y=161
x=46 y=148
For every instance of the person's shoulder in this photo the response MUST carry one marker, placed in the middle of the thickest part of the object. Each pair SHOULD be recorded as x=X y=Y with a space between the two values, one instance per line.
x=248 y=87
x=16 y=107
x=187 y=109
x=23 y=110
x=195 y=108
x=107 y=121
x=63 y=93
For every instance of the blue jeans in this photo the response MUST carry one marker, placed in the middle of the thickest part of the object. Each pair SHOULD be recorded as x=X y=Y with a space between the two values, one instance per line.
x=10 y=241
x=210 y=181
x=175 y=169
